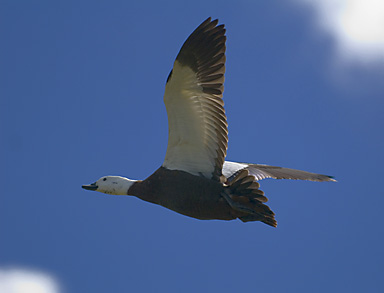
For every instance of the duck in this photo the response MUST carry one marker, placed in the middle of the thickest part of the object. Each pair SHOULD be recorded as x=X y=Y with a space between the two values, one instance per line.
x=195 y=180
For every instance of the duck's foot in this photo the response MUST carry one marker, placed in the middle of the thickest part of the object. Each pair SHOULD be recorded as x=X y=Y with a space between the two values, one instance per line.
x=256 y=211
x=237 y=205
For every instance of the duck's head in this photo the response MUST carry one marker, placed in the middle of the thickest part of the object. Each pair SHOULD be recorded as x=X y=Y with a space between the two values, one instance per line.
x=111 y=185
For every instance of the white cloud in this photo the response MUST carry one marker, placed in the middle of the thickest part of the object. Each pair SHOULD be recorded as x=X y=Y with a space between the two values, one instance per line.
x=357 y=26
x=26 y=281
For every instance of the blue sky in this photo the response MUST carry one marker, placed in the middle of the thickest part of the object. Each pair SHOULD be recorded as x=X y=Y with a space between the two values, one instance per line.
x=81 y=96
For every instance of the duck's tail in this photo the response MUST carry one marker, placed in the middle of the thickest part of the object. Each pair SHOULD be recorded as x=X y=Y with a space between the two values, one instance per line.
x=244 y=195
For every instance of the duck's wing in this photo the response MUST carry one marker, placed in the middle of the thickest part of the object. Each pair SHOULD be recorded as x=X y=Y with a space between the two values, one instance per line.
x=260 y=172
x=198 y=136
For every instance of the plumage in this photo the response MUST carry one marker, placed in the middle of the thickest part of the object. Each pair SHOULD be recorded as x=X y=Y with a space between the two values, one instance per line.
x=260 y=171
x=198 y=135
x=195 y=180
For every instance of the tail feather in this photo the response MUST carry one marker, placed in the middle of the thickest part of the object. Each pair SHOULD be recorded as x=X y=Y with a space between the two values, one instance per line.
x=244 y=190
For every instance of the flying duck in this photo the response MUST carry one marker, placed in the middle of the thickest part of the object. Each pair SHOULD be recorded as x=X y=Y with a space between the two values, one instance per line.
x=195 y=180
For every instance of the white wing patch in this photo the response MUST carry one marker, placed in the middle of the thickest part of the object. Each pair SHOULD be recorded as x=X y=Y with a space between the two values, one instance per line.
x=230 y=168
x=192 y=117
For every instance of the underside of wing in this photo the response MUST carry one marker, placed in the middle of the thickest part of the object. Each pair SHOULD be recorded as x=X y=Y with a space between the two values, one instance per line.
x=260 y=172
x=197 y=140
x=265 y=171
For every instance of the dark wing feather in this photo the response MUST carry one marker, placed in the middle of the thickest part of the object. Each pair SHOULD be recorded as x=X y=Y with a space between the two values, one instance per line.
x=198 y=135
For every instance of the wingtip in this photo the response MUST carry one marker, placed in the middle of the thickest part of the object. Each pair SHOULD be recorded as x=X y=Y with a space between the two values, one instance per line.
x=324 y=178
x=209 y=21
x=332 y=178
x=206 y=22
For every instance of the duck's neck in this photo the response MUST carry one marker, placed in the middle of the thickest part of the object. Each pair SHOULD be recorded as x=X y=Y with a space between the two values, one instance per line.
x=142 y=190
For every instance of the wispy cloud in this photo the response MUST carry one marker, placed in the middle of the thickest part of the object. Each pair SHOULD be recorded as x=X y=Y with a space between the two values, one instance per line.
x=357 y=27
x=26 y=281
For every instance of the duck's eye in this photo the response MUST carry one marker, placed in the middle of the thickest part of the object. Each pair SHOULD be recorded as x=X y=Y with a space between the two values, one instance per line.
x=104 y=179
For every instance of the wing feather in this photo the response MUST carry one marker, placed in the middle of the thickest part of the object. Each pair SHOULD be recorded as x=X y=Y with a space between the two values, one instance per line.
x=264 y=171
x=259 y=171
x=198 y=135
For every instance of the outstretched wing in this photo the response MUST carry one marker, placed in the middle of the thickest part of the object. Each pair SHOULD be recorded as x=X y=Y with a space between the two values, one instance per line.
x=264 y=171
x=198 y=136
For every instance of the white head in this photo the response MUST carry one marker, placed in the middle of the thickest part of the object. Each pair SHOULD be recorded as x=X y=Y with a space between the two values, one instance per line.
x=111 y=185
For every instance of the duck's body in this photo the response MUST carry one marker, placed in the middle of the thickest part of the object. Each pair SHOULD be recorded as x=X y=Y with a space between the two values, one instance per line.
x=201 y=200
x=195 y=180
